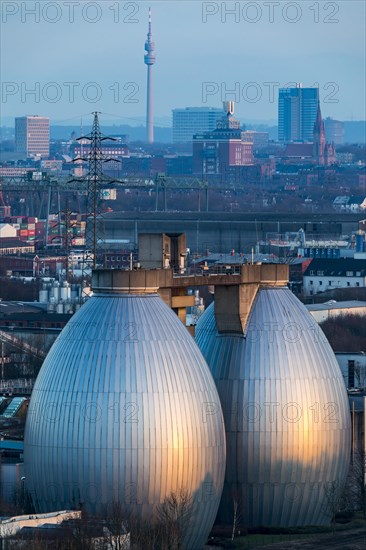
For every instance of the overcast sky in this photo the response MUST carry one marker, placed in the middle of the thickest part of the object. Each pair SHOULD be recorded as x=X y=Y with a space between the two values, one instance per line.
x=72 y=52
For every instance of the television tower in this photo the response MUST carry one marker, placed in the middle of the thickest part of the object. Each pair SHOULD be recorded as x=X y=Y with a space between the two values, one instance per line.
x=149 y=61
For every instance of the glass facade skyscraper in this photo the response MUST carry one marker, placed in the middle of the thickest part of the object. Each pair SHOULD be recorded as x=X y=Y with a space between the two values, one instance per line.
x=194 y=120
x=297 y=108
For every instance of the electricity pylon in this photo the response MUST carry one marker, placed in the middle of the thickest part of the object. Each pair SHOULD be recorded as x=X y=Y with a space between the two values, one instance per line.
x=94 y=253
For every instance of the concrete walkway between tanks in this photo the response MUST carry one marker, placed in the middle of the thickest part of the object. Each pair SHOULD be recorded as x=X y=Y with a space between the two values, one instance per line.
x=354 y=539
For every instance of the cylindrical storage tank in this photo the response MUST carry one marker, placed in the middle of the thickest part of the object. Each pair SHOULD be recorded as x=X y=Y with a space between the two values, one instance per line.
x=64 y=291
x=43 y=296
x=360 y=240
x=68 y=308
x=55 y=291
x=125 y=410
x=74 y=295
x=51 y=307
x=286 y=413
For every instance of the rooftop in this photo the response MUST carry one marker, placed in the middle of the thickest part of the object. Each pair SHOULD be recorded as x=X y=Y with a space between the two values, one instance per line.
x=14 y=243
x=340 y=267
x=336 y=305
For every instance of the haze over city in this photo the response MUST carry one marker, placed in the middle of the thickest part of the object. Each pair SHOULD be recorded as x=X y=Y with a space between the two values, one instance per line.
x=182 y=275
x=250 y=47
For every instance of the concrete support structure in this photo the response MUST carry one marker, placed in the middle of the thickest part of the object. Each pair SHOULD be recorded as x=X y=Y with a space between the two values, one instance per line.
x=233 y=303
x=234 y=294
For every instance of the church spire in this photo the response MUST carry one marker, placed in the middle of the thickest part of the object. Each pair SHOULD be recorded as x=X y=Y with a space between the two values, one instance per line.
x=319 y=124
x=319 y=137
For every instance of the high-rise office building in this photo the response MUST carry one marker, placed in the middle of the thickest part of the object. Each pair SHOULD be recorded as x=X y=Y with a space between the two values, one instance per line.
x=297 y=109
x=334 y=131
x=32 y=135
x=193 y=120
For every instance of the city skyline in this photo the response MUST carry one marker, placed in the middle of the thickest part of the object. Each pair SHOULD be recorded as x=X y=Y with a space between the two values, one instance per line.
x=203 y=54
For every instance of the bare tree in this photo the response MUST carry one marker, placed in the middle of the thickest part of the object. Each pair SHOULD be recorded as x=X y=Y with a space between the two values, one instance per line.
x=360 y=374
x=116 y=527
x=334 y=499
x=173 y=516
x=145 y=534
x=356 y=482
x=237 y=516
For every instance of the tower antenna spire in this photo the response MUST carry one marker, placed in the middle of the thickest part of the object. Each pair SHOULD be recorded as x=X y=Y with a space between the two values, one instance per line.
x=149 y=60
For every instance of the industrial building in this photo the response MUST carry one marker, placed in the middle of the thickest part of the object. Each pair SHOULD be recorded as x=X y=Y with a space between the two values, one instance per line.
x=331 y=309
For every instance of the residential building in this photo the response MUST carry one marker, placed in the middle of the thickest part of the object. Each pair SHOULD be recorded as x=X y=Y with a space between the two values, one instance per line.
x=328 y=274
x=193 y=120
x=32 y=136
x=297 y=110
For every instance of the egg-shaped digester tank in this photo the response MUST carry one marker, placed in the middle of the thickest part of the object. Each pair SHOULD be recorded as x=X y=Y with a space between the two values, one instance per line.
x=286 y=413
x=125 y=410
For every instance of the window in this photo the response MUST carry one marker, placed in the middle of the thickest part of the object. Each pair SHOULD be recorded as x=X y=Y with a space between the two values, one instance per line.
x=351 y=373
x=320 y=283
x=358 y=273
x=320 y=273
x=348 y=283
x=312 y=272
x=357 y=284
x=329 y=283
x=311 y=282
x=349 y=273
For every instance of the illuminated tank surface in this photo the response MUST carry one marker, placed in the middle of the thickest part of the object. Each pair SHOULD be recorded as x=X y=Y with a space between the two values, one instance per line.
x=125 y=409
x=286 y=413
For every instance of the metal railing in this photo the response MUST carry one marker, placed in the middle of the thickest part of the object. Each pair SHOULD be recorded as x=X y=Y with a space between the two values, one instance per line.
x=21 y=344
x=17 y=386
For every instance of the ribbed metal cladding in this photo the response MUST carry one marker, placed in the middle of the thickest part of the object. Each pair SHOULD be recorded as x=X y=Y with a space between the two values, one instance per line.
x=286 y=413
x=125 y=409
